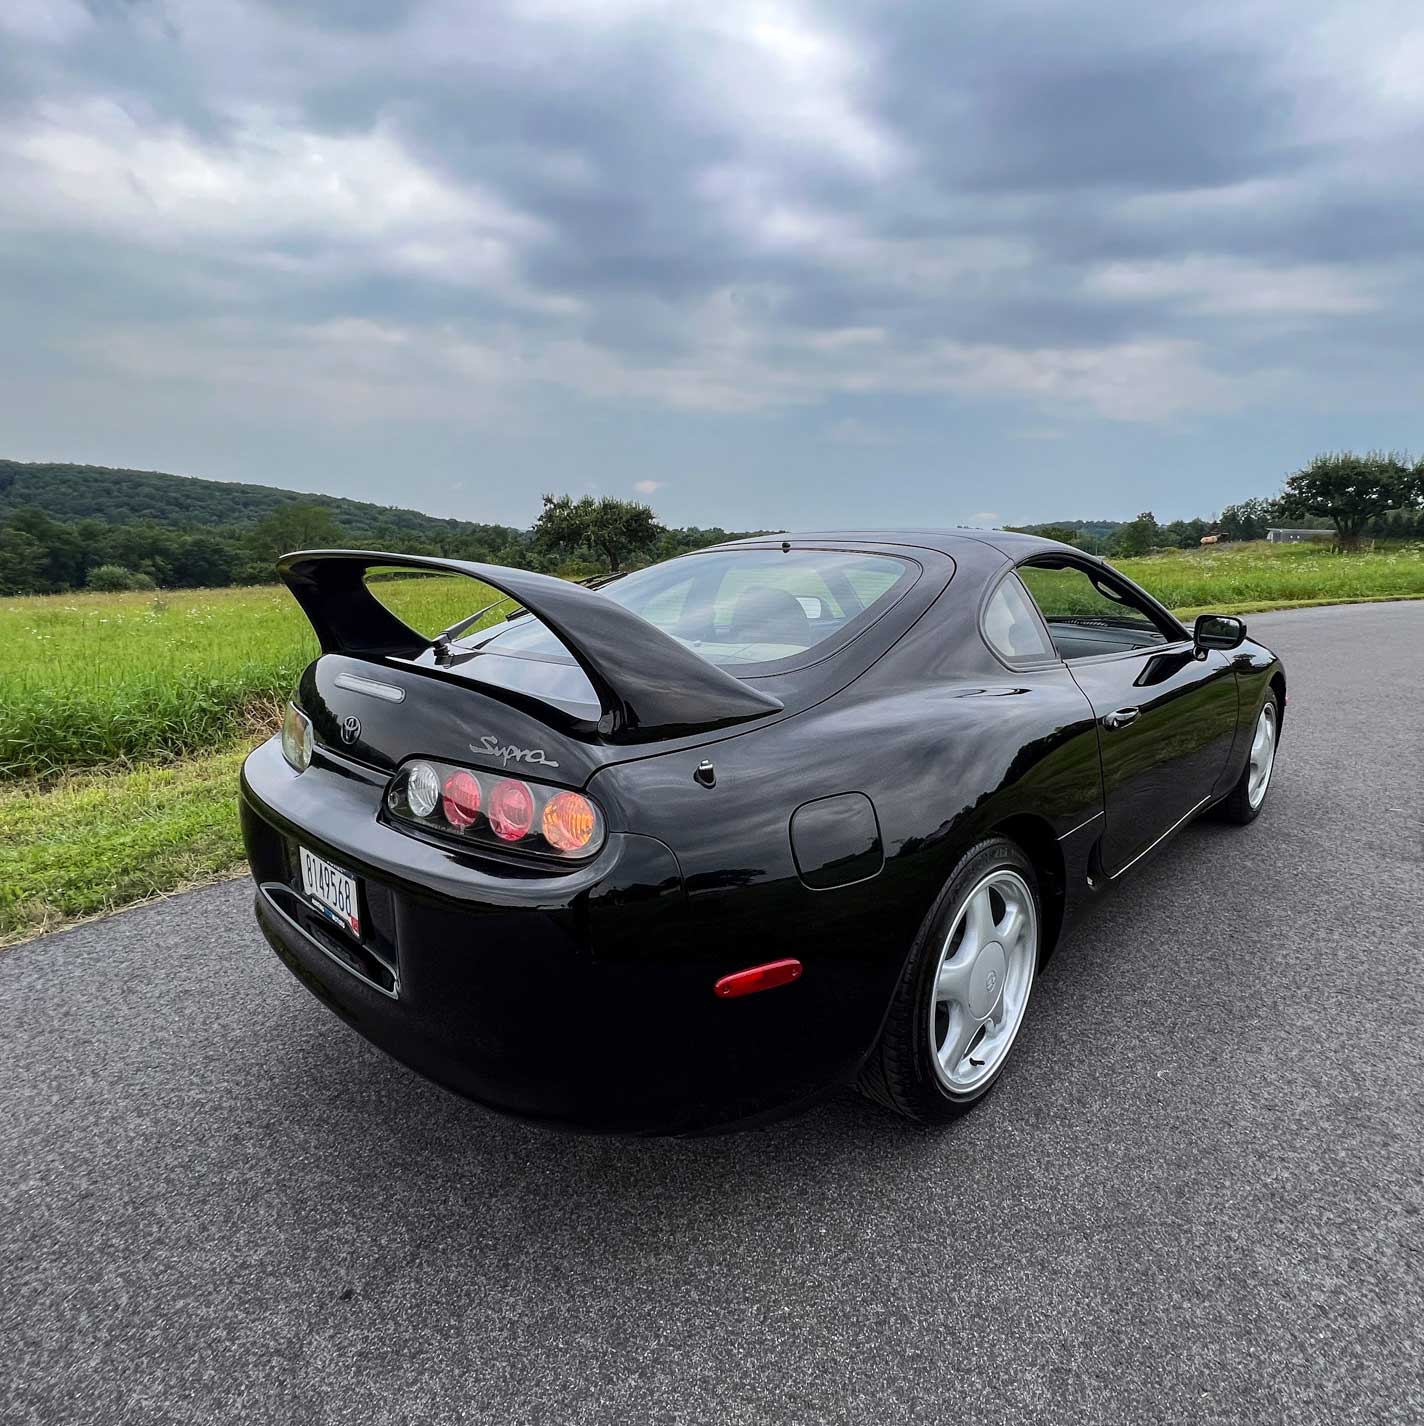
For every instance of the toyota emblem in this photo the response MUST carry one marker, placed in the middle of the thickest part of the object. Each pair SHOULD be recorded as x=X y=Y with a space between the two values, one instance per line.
x=350 y=728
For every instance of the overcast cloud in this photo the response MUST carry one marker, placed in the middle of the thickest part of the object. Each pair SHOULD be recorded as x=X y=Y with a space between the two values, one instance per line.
x=762 y=264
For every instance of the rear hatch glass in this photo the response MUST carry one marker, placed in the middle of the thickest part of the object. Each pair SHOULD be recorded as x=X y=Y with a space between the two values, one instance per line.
x=751 y=611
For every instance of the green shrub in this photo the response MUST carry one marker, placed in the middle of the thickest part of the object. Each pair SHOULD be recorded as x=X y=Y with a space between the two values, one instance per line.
x=115 y=579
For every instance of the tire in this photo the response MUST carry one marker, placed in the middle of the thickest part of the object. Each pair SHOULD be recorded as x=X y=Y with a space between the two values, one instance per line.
x=1244 y=802
x=958 y=963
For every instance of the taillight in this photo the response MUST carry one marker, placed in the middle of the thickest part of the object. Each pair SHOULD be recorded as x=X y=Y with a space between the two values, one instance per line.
x=422 y=789
x=460 y=799
x=568 y=822
x=461 y=805
x=297 y=738
x=511 y=811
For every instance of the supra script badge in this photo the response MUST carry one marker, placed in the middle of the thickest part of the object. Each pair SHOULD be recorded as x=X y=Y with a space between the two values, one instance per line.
x=490 y=746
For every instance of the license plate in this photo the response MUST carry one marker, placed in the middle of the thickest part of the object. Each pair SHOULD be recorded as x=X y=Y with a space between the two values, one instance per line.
x=333 y=890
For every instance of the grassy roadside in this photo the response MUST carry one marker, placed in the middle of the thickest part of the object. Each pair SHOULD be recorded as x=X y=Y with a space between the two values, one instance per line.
x=94 y=841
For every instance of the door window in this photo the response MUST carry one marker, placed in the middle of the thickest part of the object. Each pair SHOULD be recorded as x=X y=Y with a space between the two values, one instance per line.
x=1088 y=614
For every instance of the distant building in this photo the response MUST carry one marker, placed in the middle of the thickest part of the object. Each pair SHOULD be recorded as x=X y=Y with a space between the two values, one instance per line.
x=1296 y=537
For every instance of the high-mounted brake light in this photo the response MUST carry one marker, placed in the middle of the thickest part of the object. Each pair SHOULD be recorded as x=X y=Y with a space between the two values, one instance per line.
x=460 y=799
x=511 y=812
x=755 y=978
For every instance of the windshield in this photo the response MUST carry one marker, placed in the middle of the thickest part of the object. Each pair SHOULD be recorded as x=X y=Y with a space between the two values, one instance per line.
x=739 y=609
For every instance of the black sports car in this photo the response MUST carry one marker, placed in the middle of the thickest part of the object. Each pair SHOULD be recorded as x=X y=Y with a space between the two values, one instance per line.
x=690 y=848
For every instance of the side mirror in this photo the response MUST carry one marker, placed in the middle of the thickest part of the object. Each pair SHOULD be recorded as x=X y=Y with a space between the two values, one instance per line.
x=1218 y=631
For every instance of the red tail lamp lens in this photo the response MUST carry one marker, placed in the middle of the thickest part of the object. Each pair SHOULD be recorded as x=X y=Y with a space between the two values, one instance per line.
x=755 y=978
x=511 y=809
x=460 y=799
x=569 y=822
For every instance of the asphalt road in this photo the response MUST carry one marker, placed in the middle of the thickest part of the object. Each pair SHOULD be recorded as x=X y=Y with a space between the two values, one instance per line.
x=1195 y=1196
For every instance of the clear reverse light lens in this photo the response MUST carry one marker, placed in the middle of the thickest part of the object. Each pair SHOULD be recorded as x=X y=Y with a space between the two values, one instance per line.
x=297 y=738
x=422 y=789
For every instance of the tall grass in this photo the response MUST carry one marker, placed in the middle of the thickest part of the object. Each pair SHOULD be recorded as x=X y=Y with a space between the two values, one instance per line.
x=87 y=679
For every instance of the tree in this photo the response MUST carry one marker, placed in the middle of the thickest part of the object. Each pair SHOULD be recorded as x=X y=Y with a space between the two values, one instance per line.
x=1137 y=536
x=204 y=561
x=297 y=526
x=612 y=528
x=1353 y=490
x=62 y=550
x=1184 y=534
x=22 y=560
x=1249 y=520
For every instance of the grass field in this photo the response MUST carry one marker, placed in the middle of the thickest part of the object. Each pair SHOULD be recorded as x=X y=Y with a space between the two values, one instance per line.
x=159 y=695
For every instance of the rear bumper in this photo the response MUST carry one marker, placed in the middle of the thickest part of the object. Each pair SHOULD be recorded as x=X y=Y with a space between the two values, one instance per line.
x=583 y=999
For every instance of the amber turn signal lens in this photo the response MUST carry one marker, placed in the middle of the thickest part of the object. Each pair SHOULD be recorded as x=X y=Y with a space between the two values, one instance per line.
x=569 y=822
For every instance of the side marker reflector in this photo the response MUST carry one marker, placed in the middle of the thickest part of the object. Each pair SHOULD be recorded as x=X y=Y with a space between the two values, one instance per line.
x=755 y=978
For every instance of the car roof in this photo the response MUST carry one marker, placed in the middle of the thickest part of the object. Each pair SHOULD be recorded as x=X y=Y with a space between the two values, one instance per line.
x=1008 y=542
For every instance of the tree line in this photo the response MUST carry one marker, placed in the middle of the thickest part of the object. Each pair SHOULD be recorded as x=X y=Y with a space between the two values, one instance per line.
x=1378 y=494
x=40 y=554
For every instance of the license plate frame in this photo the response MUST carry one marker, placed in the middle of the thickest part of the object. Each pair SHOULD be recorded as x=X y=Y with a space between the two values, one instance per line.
x=335 y=892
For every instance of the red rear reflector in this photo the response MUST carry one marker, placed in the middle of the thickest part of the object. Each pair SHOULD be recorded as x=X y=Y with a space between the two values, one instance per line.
x=754 y=978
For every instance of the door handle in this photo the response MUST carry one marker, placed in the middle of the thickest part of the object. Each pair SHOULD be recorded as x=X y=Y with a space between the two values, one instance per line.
x=1121 y=718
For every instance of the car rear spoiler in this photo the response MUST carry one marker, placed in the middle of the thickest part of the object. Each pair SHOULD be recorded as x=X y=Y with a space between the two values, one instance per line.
x=648 y=684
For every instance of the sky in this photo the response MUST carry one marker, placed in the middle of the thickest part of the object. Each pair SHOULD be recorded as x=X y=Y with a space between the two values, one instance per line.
x=763 y=265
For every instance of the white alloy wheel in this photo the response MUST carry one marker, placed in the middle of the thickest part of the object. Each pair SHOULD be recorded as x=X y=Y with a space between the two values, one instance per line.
x=982 y=983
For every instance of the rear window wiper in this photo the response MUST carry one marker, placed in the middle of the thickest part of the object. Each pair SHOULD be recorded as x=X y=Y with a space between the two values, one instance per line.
x=597 y=581
x=442 y=641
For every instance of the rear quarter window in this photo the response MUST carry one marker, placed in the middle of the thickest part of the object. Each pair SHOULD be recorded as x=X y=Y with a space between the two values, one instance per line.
x=1011 y=626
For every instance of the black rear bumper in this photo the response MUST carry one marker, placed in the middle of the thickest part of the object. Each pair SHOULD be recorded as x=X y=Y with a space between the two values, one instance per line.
x=583 y=999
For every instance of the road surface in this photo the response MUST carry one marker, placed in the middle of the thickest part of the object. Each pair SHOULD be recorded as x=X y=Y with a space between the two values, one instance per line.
x=1195 y=1196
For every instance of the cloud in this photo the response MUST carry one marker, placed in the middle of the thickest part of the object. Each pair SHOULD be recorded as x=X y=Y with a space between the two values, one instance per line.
x=1234 y=287
x=609 y=233
x=648 y=487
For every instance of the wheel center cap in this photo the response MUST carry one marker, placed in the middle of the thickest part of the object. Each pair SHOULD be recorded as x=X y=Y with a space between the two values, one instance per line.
x=986 y=982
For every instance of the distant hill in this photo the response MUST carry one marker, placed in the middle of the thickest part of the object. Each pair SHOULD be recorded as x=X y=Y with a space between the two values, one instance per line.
x=1097 y=529
x=132 y=497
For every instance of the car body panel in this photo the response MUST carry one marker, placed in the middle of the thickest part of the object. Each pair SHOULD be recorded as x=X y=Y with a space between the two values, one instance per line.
x=1170 y=759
